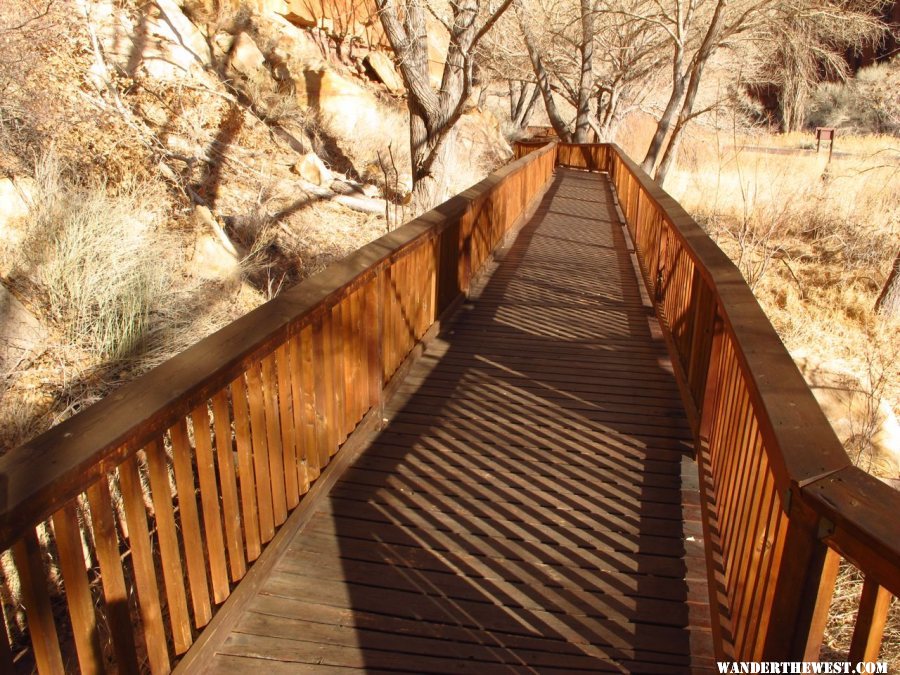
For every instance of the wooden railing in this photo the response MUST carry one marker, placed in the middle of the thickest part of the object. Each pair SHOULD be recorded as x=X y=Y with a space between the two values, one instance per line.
x=782 y=502
x=129 y=524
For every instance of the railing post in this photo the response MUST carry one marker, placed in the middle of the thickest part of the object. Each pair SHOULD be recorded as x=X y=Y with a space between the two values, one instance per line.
x=801 y=567
x=824 y=595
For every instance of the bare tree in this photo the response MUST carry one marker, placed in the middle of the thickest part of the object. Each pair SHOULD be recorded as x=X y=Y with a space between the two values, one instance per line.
x=523 y=97
x=888 y=302
x=591 y=58
x=802 y=43
x=432 y=114
x=541 y=74
x=772 y=23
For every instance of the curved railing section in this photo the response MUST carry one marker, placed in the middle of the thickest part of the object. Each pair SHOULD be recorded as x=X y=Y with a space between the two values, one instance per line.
x=150 y=506
x=782 y=502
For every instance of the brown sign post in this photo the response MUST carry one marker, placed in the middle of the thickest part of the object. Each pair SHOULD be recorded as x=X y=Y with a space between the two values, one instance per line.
x=825 y=134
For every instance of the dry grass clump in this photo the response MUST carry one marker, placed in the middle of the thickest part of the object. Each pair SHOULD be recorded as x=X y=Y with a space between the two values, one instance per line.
x=842 y=619
x=100 y=258
x=814 y=240
x=99 y=264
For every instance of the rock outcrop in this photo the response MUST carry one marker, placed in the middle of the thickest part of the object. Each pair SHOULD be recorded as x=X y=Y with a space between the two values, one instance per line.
x=21 y=335
x=383 y=69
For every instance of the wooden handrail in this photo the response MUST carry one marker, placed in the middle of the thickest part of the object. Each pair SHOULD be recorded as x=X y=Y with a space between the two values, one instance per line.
x=228 y=435
x=781 y=495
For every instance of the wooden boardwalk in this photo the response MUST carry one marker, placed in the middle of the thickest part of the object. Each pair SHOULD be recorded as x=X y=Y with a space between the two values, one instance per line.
x=531 y=505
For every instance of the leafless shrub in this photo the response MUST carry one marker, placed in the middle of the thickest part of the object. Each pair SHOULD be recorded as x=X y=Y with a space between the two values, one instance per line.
x=867 y=103
x=274 y=104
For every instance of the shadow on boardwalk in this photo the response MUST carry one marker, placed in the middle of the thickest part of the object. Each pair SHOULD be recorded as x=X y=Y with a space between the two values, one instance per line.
x=524 y=510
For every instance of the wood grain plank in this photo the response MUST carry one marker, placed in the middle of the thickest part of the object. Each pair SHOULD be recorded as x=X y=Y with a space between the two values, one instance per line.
x=324 y=377
x=190 y=523
x=144 y=566
x=286 y=404
x=209 y=499
x=310 y=416
x=871 y=619
x=244 y=441
x=33 y=584
x=78 y=592
x=261 y=465
x=115 y=592
x=277 y=474
x=169 y=553
x=231 y=514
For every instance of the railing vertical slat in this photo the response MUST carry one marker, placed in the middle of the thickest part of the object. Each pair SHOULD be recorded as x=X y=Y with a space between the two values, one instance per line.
x=302 y=441
x=286 y=404
x=871 y=618
x=78 y=593
x=360 y=367
x=775 y=536
x=332 y=424
x=33 y=581
x=170 y=556
x=190 y=523
x=322 y=378
x=270 y=396
x=348 y=359
x=209 y=501
x=310 y=390
x=797 y=585
x=6 y=657
x=230 y=509
x=758 y=554
x=264 y=503
x=747 y=555
x=144 y=566
x=115 y=593
x=243 y=439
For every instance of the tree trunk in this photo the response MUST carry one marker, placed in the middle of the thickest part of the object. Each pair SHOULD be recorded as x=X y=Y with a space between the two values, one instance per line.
x=695 y=70
x=523 y=97
x=586 y=81
x=607 y=111
x=543 y=82
x=433 y=114
x=888 y=302
x=664 y=125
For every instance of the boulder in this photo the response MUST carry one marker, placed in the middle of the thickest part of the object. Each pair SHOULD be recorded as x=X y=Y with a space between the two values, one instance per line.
x=301 y=13
x=21 y=334
x=16 y=195
x=293 y=42
x=350 y=109
x=438 y=42
x=272 y=6
x=383 y=68
x=245 y=57
x=178 y=29
x=215 y=256
x=312 y=169
x=168 y=46
x=222 y=43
